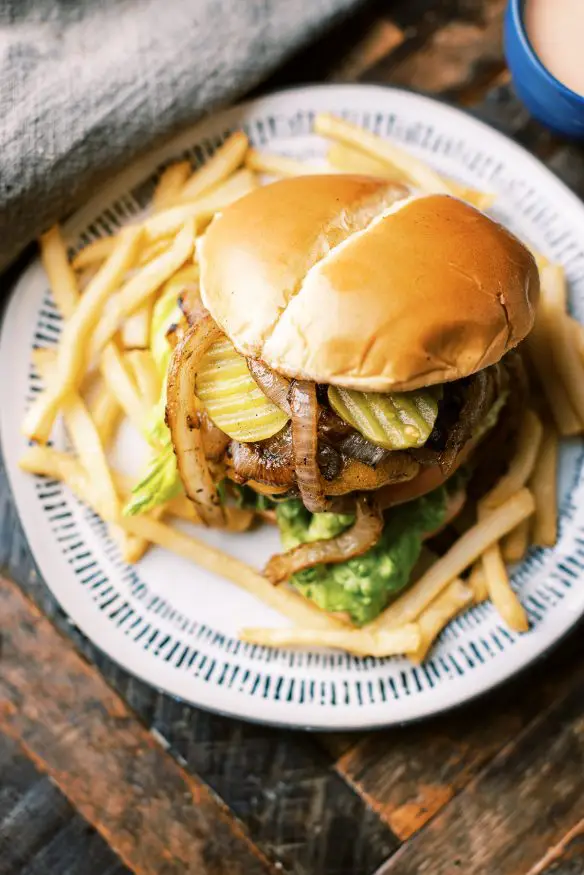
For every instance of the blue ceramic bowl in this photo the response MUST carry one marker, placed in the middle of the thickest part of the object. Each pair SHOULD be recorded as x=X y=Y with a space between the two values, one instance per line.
x=545 y=97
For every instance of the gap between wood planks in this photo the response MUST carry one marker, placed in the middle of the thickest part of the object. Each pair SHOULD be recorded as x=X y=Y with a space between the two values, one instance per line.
x=72 y=726
x=408 y=775
x=524 y=802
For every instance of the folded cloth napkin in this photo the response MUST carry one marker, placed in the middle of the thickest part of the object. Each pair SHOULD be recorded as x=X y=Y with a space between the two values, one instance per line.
x=86 y=85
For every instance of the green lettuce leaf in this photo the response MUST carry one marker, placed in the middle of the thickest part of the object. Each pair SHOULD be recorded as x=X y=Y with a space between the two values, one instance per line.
x=363 y=586
x=165 y=314
x=160 y=483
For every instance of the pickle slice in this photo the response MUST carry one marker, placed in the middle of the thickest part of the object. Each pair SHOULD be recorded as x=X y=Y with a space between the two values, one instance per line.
x=396 y=420
x=233 y=399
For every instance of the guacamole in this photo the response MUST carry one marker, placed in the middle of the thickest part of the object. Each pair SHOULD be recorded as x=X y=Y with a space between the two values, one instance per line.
x=362 y=586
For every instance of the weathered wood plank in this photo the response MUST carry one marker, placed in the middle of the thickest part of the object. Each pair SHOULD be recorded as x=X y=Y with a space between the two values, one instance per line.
x=283 y=786
x=378 y=42
x=517 y=808
x=40 y=832
x=74 y=728
x=455 y=57
x=408 y=775
x=565 y=858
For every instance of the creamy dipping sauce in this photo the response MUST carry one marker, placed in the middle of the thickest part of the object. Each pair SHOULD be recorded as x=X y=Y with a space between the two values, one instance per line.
x=556 y=31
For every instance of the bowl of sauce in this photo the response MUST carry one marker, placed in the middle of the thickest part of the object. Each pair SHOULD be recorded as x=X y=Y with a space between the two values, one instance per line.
x=544 y=44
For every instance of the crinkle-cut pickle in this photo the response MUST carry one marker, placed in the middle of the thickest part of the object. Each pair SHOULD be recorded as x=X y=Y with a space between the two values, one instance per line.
x=233 y=399
x=396 y=420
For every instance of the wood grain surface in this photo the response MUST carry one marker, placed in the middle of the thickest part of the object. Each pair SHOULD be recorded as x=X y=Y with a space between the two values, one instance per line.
x=102 y=775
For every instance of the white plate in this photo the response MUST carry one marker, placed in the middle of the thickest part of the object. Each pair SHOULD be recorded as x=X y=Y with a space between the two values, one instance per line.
x=175 y=626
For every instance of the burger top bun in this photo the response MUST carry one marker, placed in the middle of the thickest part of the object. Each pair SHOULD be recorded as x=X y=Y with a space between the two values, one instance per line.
x=357 y=282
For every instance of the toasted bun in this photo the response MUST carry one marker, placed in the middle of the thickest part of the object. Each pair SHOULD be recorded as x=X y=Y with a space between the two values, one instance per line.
x=353 y=281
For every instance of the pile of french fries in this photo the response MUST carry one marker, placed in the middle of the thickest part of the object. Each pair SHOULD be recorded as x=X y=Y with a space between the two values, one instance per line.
x=103 y=370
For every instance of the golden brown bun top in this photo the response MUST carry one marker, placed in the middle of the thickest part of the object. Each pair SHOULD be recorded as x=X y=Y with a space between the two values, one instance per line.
x=353 y=281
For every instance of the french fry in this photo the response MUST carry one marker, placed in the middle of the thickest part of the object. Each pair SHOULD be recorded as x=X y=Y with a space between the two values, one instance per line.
x=51 y=463
x=514 y=545
x=351 y=160
x=538 y=345
x=182 y=508
x=522 y=463
x=104 y=408
x=455 y=598
x=499 y=588
x=168 y=222
x=105 y=412
x=122 y=386
x=87 y=444
x=543 y=484
x=389 y=642
x=146 y=375
x=554 y=290
x=136 y=328
x=61 y=275
x=478 y=583
x=170 y=184
x=73 y=350
x=279 y=165
x=44 y=358
x=142 y=286
x=540 y=259
x=577 y=330
x=564 y=352
x=94 y=253
x=415 y=170
x=228 y=157
x=288 y=603
x=238 y=519
x=85 y=276
x=131 y=547
x=461 y=555
x=482 y=200
x=153 y=250
x=48 y=462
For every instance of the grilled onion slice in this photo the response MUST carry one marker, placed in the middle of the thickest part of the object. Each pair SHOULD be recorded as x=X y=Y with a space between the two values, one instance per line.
x=273 y=385
x=183 y=420
x=304 y=407
x=355 y=541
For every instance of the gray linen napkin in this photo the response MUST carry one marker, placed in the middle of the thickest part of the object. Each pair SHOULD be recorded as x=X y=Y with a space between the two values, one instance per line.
x=86 y=85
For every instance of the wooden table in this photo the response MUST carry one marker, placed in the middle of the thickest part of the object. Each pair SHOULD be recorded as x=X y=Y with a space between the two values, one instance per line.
x=100 y=775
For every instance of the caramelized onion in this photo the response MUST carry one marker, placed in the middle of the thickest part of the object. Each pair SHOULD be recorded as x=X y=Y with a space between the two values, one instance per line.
x=305 y=445
x=215 y=441
x=184 y=424
x=363 y=535
x=398 y=467
x=252 y=462
x=273 y=385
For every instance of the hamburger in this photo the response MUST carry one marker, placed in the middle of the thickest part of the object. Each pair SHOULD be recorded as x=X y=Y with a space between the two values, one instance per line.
x=348 y=363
